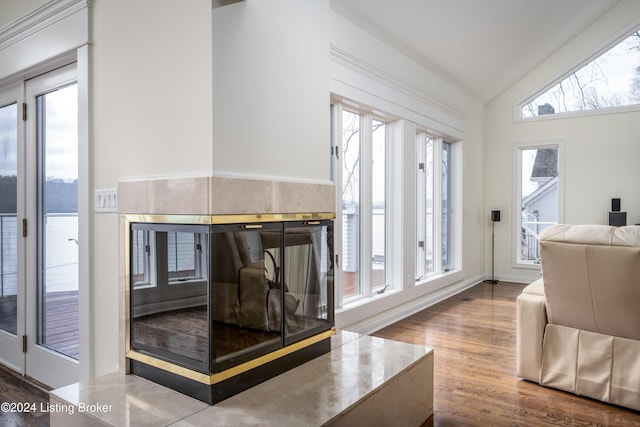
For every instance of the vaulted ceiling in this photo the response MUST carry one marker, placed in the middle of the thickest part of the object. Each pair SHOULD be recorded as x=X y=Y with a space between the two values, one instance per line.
x=483 y=46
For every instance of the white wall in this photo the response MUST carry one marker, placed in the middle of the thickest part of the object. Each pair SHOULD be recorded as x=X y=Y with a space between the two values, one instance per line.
x=160 y=109
x=151 y=116
x=601 y=152
x=271 y=89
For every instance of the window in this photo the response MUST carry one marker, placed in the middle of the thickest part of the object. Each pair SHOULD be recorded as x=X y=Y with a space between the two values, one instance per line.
x=424 y=212
x=608 y=81
x=434 y=206
x=183 y=256
x=350 y=190
x=362 y=181
x=539 y=198
x=184 y=260
x=378 y=204
x=447 y=209
x=140 y=258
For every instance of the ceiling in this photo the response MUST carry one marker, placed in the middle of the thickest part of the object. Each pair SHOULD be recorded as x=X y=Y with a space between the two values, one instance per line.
x=482 y=46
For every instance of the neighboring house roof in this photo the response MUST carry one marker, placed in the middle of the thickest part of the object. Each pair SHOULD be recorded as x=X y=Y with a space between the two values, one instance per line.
x=546 y=163
x=540 y=192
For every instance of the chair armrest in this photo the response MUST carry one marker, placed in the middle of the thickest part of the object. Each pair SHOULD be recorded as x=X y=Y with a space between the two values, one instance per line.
x=531 y=322
x=253 y=291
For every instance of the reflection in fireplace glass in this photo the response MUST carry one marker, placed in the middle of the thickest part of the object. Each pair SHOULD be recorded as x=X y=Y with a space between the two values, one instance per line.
x=170 y=293
x=211 y=297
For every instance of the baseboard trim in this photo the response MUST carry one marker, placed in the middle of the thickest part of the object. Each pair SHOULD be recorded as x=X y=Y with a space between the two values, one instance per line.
x=374 y=323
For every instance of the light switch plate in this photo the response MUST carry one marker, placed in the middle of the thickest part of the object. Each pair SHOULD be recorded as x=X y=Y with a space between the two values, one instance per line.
x=106 y=200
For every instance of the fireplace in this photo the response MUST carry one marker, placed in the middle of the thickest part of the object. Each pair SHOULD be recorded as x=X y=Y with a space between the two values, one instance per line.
x=225 y=281
x=217 y=304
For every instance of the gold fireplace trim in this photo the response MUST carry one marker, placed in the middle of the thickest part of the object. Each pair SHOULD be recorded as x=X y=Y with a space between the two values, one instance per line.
x=231 y=372
x=230 y=219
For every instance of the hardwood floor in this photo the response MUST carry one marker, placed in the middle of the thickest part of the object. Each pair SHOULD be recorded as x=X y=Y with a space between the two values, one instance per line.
x=474 y=339
x=17 y=390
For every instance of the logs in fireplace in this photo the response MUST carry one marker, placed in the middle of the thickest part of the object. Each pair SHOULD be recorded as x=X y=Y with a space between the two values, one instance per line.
x=217 y=304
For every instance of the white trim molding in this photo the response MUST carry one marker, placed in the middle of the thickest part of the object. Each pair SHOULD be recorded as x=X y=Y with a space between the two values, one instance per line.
x=43 y=35
x=385 y=318
x=377 y=87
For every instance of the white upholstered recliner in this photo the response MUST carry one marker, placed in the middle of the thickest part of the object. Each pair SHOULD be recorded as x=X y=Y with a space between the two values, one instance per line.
x=578 y=327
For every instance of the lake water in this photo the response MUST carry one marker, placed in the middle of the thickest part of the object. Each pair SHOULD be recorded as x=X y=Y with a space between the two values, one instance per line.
x=61 y=254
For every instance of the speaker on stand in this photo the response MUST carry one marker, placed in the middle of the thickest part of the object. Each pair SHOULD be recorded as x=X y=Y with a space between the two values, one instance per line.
x=617 y=218
x=495 y=217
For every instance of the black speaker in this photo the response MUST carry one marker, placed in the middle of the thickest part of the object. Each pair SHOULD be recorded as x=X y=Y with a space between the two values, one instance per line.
x=618 y=219
x=495 y=216
x=615 y=205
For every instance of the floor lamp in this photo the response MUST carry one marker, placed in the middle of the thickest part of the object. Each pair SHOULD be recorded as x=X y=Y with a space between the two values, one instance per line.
x=495 y=217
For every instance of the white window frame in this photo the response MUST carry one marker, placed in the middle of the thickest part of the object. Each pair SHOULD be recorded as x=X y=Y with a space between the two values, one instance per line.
x=199 y=259
x=455 y=200
x=151 y=279
x=148 y=280
x=366 y=202
x=517 y=262
x=581 y=62
x=400 y=234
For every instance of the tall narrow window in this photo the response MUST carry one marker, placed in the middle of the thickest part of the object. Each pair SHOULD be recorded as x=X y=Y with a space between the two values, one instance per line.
x=539 y=198
x=378 y=205
x=424 y=215
x=435 y=219
x=350 y=204
x=362 y=179
x=446 y=206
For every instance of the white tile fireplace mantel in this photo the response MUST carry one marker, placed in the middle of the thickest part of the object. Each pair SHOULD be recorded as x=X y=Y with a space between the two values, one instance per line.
x=217 y=195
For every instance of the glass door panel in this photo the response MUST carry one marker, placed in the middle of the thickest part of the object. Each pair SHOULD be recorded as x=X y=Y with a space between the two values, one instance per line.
x=246 y=292
x=57 y=221
x=308 y=279
x=8 y=217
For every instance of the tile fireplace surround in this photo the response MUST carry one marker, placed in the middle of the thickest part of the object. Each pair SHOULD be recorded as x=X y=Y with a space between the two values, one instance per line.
x=213 y=195
x=362 y=380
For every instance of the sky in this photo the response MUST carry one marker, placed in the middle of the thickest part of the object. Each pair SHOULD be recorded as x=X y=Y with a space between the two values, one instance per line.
x=61 y=135
x=8 y=144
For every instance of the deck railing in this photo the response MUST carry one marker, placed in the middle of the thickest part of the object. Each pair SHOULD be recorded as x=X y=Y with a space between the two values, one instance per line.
x=8 y=260
x=529 y=247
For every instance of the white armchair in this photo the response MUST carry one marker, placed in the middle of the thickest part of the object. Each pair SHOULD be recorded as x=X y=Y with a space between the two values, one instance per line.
x=578 y=327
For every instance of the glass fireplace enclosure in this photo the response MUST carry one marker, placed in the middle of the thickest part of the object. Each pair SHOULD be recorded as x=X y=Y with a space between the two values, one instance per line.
x=223 y=299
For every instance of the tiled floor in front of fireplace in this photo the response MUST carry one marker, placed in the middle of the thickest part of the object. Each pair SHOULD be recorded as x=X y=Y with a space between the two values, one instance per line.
x=364 y=377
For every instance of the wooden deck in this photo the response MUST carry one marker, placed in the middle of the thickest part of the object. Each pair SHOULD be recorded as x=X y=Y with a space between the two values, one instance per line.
x=61 y=331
